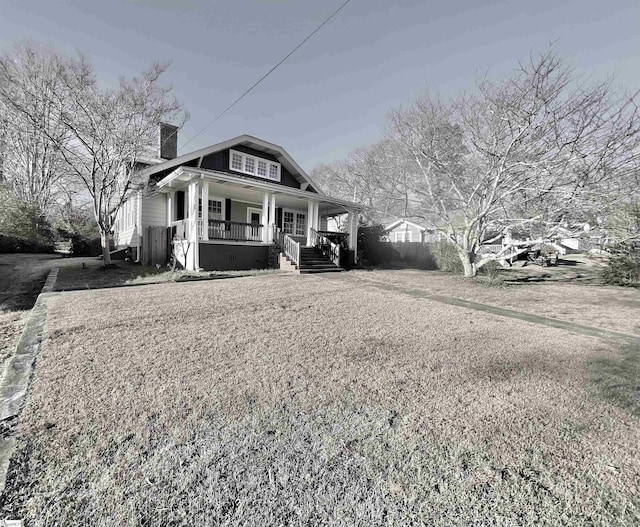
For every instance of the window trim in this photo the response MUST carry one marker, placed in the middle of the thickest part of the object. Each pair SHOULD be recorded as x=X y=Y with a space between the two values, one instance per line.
x=254 y=210
x=255 y=159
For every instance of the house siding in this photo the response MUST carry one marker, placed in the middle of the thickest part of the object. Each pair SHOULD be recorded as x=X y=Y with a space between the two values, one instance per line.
x=124 y=237
x=239 y=210
x=416 y=234
x=154 y=211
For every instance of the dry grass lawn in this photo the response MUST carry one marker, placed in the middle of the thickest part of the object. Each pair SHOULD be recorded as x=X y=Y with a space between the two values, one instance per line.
x=614 y=308
x=301 y=400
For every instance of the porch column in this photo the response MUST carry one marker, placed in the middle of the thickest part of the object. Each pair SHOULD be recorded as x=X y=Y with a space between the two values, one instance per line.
x=353 y=234
x=316 y=216
x=265 y=217
x=272 y=218
x=192 y=222
x=170 y=200
x=310 y=211
x=204 y=196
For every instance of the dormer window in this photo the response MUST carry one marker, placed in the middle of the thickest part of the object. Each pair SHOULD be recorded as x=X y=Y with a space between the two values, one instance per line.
x=254 y=166
x=236 y=161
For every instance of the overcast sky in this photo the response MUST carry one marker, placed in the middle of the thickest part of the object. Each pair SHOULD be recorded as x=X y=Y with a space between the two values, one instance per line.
x=333 y=94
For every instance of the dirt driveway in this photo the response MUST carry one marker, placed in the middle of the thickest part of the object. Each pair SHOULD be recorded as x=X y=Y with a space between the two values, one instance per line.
x=21 y=279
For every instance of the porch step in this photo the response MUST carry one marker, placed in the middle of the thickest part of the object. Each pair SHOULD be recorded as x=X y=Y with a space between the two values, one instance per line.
x=333 y=269
x=311 y=261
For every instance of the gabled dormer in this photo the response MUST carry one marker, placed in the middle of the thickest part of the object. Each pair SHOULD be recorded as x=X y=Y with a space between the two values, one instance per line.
x=246 y=157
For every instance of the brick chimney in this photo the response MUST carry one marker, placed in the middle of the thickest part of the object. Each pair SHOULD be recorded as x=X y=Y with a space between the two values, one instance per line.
x=168 y=141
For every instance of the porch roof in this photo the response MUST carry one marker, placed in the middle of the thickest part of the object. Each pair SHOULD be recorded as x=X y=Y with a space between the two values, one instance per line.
x=182 y=175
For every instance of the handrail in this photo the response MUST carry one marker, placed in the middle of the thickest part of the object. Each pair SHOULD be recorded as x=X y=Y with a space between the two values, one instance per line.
x=290 y=247
x=329 y=249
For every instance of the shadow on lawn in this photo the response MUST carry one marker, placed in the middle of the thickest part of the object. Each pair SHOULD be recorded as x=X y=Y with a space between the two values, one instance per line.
x=90 y=273
x=617 y=379
x=566 y=271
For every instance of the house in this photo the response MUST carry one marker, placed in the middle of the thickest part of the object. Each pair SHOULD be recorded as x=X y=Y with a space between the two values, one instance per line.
x=403 y=230
x=243 y=203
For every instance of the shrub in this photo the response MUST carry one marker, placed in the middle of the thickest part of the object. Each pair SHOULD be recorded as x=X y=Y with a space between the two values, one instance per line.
x=18 y=244
x=490 y=275
x=24 y=225
x=623 y=267
x=85 y=246
x=446 y=257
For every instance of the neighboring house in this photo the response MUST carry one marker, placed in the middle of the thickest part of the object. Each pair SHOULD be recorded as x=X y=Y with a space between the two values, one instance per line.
x=582 y=237
x=403 y=230
x=233 y=205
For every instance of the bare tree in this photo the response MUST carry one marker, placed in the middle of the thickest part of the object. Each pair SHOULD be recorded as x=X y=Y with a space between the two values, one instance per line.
x=108 y=130
x=31 y=133
x=375 y=177
x=538 y=148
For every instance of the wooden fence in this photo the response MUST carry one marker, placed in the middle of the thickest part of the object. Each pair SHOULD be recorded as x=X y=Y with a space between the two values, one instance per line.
x=418 y=254
x=154 y=246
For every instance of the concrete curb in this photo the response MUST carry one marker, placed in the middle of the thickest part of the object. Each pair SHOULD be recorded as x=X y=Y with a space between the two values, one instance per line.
x=19 y=368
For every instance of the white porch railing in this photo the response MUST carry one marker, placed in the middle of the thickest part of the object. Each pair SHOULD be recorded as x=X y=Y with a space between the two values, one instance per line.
x=234 y=230
x=494 y=248
x=220 y=230
x=327 y=247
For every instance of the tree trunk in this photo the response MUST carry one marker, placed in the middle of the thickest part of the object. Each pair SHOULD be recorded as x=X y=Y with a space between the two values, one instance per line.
x=105 y=239
x=468 y=263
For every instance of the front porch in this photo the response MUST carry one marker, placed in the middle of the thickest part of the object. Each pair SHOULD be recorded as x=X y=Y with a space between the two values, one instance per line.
x=214 y=236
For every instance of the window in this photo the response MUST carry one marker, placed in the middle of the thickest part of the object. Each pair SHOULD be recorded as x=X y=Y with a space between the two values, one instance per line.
x=236 y=161
x=403 y=236
x=250 y=165
x=215 y=206
x=254 y=166
x=287 y=222
x=128 y=213
x=301 y=225
x=274 y=171
x=294 y=223
x=262 y=168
